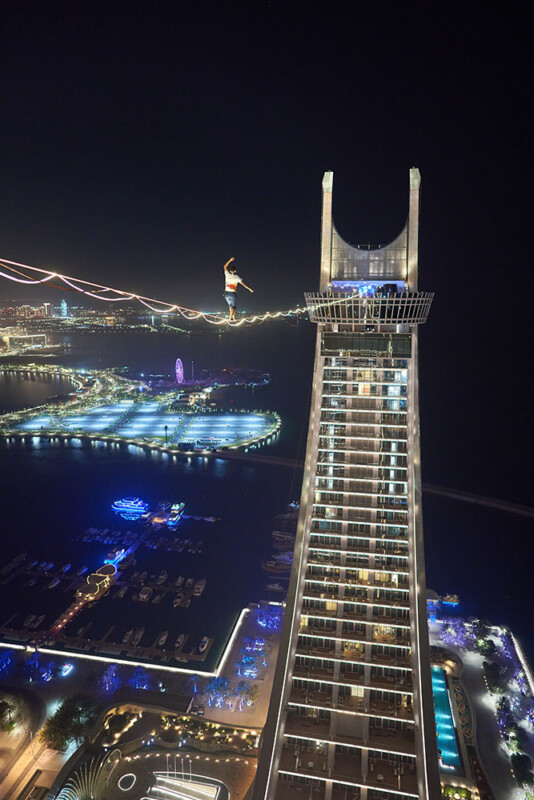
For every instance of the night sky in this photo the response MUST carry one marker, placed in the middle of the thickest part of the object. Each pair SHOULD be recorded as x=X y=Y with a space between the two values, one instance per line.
x=145 y=143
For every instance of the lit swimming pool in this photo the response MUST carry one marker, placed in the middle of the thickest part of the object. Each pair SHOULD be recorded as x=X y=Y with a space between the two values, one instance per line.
x=447 y=744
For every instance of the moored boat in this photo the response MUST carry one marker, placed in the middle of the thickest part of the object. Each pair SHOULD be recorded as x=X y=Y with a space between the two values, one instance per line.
x=199 y=587
x=28 y=621
x=163 y=638
x=138 y=635
x=204 y=642
x=270 y=565
x=162 y=577
x=179 y=641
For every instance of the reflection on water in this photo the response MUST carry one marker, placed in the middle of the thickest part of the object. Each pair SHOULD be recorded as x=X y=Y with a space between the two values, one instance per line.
x=20 y=390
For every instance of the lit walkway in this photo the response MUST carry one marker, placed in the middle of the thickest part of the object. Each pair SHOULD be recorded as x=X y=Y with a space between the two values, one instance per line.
x=489 y=742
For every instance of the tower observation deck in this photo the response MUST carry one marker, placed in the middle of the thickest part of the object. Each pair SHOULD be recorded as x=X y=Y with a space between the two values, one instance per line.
x=351 y=712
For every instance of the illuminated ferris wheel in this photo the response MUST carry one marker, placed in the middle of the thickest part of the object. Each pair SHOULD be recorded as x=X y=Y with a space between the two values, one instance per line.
x=179 y=371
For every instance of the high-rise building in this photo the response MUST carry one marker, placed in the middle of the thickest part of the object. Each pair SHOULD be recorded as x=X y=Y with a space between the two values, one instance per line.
x=352 y=712
x=64 y=309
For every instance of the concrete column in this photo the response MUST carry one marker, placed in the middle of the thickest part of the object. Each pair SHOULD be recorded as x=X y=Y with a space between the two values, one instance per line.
x=326 y=231
x=413 y=228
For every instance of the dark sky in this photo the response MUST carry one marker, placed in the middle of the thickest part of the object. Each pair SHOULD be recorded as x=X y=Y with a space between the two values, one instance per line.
x=145 y=143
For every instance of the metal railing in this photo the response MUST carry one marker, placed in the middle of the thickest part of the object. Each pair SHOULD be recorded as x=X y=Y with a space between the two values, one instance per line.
x=409 y=308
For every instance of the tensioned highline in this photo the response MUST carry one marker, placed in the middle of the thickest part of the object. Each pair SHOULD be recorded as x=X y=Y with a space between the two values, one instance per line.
x=98 y=291
x=366 y=306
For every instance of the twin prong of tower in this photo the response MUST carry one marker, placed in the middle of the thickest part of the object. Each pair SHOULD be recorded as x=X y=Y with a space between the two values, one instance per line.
x=352 y=713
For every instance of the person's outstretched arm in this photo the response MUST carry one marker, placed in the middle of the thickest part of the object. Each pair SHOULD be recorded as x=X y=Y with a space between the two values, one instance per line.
x=247 y=287
x=228 y=262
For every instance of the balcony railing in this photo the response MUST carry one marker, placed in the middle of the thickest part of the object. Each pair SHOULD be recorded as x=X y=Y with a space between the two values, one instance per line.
x=409 y=308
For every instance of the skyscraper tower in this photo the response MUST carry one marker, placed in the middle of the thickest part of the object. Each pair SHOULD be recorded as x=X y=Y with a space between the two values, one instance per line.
x=352 y=713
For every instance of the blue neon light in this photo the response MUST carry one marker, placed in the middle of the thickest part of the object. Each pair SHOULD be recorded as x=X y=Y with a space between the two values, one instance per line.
x=130 y=507
x=447 y=744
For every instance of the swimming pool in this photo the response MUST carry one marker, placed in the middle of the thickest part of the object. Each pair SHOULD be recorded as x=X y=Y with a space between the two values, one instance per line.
x=447 y=744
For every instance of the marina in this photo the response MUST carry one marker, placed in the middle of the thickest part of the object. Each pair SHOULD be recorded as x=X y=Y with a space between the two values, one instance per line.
x=180 y=579
x=79 y=626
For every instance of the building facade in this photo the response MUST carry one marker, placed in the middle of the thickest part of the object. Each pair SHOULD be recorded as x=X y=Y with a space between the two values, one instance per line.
x=351 y=713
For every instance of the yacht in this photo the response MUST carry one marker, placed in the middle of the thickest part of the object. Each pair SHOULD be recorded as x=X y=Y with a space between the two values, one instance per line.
x=127 y=636
x=204 y=642
x=275 y=587
x=199 y=587
x=65 y=568
x=82 y=570
x=145 y=594
x=180 y=579
x=179 y=642
x=54 y=582
x=28 y=621
x=177 y=510
x=138 y=635
x=48 y=567
x=31 y=582
x=275 y=566
x=189 y=583
x=163 y=638
x=157 y=599
x=37 y=622
x=162 y=577
x=178 y=599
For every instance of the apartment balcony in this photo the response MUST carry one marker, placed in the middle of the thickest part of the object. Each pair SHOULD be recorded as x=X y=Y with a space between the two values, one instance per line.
x=303 y=760
x=314 y=592
x=307 y=727
x=384 y=682
x=380 y=548
x=399 y=777
x=311 y=671
x=308 y=762
x=389 y=708
x=355 y=616
x=288 y=789
x=400 y=683
x=388 y=660
x=392 y=741
x=328 y=584
x=310 y=697
x=318 y=651
x=315 y=699
x=387 y=740
x=354 y=636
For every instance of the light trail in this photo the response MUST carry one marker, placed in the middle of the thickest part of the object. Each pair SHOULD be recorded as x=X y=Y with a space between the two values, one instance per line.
x=100 y=292
x=479 y=499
